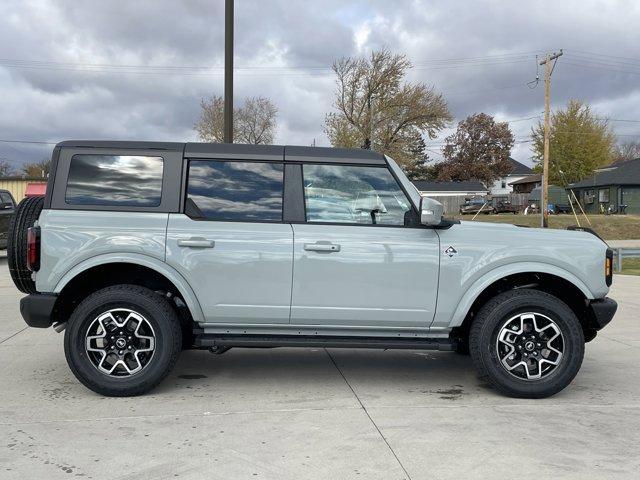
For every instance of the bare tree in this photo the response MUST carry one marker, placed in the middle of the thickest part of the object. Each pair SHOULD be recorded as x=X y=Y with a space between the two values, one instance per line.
x=377 y=109
x=627 y=151
x=37 y=169
x=5 y=168
x=254 y=122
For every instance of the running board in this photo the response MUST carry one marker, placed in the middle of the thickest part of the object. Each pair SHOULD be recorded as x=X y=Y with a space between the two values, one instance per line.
x=262 y=341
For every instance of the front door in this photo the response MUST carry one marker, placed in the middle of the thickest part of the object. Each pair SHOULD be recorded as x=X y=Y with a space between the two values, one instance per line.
x=360 y=260
x=231 y=244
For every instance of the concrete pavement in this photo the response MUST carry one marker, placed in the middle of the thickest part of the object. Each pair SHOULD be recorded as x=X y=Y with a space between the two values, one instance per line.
x=317 y=414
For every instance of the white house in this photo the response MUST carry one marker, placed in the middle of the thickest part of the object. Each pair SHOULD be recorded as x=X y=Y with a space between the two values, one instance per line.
x=502 y=185
x=466 y=188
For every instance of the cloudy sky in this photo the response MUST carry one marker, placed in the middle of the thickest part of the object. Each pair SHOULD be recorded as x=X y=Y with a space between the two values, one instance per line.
x=137 y=69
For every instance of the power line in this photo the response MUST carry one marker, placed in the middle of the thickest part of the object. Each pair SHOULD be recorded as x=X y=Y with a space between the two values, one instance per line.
x=33 y=142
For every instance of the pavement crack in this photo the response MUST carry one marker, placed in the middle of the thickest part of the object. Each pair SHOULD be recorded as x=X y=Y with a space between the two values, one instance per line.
x=384 y=439
x=11 y=336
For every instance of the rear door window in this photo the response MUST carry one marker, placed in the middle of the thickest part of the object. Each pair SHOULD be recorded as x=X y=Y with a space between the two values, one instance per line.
x=236 y=191
x=115 y=180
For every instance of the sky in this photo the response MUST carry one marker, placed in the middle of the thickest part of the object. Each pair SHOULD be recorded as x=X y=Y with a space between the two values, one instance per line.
x=137 y=70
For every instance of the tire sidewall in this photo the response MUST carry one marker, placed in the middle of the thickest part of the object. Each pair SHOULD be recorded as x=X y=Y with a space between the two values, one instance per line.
x=566 y=321
x=151 y=374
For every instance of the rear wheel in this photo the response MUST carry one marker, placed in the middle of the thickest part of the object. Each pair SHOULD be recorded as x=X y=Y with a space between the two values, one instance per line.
x=27 y=212
x=122 y=340
x=527 y=343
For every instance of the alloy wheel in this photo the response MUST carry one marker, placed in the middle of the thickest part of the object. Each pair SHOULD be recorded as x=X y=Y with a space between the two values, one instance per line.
x=530 y=346
x=120 y=342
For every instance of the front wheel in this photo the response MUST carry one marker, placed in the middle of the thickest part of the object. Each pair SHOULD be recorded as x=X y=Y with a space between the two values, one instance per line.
x=527 y=343
x=122 y=340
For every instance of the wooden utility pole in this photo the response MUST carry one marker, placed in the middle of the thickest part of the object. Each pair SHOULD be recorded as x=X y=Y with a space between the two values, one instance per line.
x=544 y=194
x=228 y=71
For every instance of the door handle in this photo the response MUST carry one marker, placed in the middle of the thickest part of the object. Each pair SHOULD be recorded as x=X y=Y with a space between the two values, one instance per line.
x=196 y=242
x=322 y=247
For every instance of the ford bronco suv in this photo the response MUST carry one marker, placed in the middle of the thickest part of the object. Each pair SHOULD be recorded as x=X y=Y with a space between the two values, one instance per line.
x=140 y=250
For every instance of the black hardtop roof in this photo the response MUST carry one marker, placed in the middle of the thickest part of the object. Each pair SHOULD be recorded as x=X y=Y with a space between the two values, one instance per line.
x=239 y=151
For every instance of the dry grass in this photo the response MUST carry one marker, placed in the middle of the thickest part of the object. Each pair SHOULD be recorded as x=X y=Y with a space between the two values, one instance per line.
x=609 y=227
x=631 y=266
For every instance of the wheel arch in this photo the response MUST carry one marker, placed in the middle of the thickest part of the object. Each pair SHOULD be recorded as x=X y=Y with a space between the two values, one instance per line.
x=520 y=271
x=146 y=270
x=560 y=283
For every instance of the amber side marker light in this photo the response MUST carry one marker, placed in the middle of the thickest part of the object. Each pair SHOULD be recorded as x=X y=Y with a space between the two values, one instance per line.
x=608 y=267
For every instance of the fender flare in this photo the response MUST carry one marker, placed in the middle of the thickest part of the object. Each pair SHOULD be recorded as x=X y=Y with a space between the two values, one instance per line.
x=474 y=291
x=145 y=261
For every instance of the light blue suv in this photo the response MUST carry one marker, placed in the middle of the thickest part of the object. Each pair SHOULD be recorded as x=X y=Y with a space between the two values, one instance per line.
x=140 y=250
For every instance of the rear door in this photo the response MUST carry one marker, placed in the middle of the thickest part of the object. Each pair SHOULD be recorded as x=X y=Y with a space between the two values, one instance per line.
x=361 y=259
x=231 y=243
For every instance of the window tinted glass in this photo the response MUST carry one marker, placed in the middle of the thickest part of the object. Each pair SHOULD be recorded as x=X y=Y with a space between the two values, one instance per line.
x=236 y=191
x=353 y=194
x=5 y=198
x=116 y=180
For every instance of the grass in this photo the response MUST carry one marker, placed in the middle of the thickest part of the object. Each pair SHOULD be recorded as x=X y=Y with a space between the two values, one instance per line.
x=609 y=227
x=631 y=266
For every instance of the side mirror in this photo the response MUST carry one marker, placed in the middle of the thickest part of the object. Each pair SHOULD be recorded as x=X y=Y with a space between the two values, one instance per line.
x=431 y=211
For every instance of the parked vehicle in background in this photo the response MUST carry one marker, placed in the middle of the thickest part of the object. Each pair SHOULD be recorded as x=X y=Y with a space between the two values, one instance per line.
x=7 y=209
x=502 y=206
x=561 y=208
x=475 y=205
x=140 y=250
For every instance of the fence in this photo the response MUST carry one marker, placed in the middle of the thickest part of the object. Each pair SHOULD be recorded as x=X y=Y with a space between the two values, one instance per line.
x=620 y=253
x=452 y=203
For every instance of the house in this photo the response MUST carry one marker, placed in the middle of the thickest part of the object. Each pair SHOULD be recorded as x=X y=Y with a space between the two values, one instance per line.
x=526 y=184
x=502 y=186
x=21 y=187
x=451 y=194
x=467 y=188
x=610 y=187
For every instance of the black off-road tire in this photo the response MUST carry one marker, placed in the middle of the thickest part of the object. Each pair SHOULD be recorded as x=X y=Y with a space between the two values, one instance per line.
x=495 y=313
x=27 y=212
x=155 y=309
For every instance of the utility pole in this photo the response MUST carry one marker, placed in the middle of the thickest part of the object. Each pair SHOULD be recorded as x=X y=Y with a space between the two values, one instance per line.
x=544 y=194
x=228 y=71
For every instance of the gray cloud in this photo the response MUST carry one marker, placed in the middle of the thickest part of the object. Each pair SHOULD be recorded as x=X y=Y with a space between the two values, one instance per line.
x=273 y=36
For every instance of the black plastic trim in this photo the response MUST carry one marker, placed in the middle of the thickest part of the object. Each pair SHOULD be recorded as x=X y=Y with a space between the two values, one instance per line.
x=36 y=309
x=270 y=341
x=53 y=168
x=603 y=311
x=576 y=228
x=293 y=207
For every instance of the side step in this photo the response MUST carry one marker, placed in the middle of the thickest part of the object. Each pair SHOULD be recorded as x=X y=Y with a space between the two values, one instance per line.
x=262 y=341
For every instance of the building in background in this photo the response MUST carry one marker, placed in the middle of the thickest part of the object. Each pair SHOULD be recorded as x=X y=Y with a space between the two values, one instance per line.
x=502 y=186
x=20 y=187
x=609 y=188
x=467 y=188
x=526 y=184
x=451 y=194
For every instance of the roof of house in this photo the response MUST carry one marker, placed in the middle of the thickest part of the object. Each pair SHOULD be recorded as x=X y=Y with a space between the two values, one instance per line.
x=535 y=178
x=462 y=187
x=518 y=168
x=627 y=173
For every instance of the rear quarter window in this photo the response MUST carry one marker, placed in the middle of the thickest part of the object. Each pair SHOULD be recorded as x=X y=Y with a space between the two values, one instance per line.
x=115 y=180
